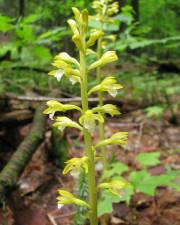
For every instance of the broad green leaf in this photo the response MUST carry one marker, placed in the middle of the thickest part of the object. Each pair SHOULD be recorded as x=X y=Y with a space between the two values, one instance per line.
x=107 y=199
x=5 y=23
x=147 y=184
x=148 y=159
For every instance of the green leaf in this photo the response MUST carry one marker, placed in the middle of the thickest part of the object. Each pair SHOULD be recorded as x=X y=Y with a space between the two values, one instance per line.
x=116 y=168
x=5 y=23
x=31 y=18
x=26 y=33
x=42 y=54
x=148 y=159
x=106 y=201
x=154 y=111
x=147 y=184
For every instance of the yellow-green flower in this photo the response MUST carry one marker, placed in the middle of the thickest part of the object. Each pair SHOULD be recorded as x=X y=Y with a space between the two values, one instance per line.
x=57 y=74
x=94 y=36
x=109 y=85
x=67 y=58
x=63 y=121
x=114 y=186
x=88 y=120
x=119 y=138
x=55 y=106
x=66 y=198
x=108 y=108
x=75 y=164
x=107 y=57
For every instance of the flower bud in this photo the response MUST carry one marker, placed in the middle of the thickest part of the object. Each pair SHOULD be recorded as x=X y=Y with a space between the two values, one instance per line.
x=94 y=37
x=85 y=15
x=78 y=42
x=67 y=58
x=73 y=26
x=57 y=74
x=77 y=13
x=108 y=57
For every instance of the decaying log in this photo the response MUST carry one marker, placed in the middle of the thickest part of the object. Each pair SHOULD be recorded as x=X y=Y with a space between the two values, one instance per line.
x=16 y=117
x=16 y=164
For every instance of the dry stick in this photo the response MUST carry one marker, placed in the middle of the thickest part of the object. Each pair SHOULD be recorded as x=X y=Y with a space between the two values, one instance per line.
x=10 y=96
x=16 y=164
x=45 y=98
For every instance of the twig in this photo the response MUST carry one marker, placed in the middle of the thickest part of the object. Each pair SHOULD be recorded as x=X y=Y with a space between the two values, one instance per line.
x=52 y=219
x=66 y=215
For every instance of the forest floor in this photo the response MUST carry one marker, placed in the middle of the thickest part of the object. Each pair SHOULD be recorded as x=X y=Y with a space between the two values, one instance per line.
x=33 y=202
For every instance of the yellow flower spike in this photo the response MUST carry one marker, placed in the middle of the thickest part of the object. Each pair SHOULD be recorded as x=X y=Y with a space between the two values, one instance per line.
x=73 y=25
x=88 y=120
x=94 y=37
x=66 y=198
x=108 y=57
x=67 y=58
x=114 y=186
x=63 y=121
x=119 y=138
x=75 y=164
x=109 y=84
x=108 y=108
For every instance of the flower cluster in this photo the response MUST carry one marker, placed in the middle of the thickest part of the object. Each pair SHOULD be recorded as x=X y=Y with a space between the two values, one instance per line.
x=76 y=71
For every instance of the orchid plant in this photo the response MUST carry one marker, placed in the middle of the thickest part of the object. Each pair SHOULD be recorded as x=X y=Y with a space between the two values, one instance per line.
x=77 y=71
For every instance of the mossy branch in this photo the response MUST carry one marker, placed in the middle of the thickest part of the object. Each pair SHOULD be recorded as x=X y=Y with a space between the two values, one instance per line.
x=16 y=164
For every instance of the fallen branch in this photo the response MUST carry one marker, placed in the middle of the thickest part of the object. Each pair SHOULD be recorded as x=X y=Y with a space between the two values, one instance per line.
x=16 y=164
x=44 y=98
x=93 y=101
x=16 y=117
x=126 y=106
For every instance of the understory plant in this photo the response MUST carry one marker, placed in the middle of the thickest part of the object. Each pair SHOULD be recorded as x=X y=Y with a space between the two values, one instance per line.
x=77 y=71
x=140 y=180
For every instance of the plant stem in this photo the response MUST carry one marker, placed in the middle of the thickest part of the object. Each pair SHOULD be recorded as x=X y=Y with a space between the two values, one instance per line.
x=101 y=103
x=88 y=144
